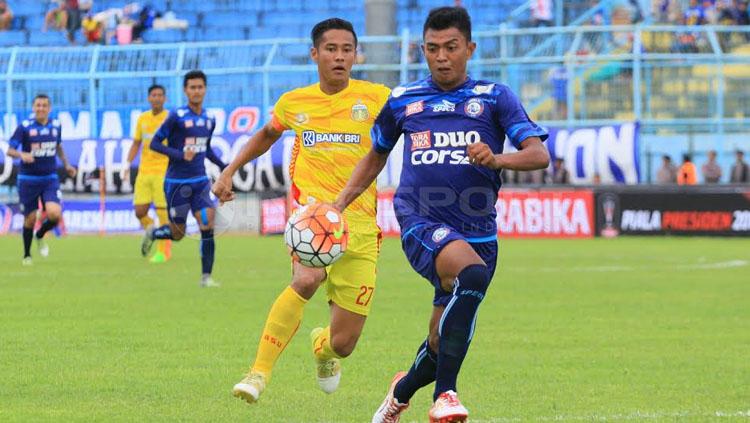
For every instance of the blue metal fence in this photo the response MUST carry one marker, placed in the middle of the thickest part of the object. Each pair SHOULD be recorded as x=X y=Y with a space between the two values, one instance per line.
x=654 y=74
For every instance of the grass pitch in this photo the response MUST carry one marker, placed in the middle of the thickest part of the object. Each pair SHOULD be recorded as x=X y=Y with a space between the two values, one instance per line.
x=653 y=329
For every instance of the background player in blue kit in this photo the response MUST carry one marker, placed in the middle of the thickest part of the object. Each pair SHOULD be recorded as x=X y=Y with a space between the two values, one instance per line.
x=454 y=128
x=188 y=131
x=37 y=142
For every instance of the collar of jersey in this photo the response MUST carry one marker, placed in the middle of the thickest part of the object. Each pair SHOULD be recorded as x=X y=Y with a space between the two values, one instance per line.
x=465 y=84
x=338 y=94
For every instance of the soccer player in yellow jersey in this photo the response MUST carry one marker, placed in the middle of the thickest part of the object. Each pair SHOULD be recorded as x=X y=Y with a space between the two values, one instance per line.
x=332 y=121
x=149 y=185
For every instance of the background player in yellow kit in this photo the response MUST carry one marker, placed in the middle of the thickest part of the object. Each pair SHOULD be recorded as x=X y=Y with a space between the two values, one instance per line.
x=149 y=185
x=332 y=121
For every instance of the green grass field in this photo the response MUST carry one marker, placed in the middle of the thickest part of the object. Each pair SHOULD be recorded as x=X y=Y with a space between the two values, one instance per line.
x=653 y=329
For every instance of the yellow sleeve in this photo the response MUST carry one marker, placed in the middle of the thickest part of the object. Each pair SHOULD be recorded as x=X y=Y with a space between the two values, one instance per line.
x=138 y=134
x=278 y=120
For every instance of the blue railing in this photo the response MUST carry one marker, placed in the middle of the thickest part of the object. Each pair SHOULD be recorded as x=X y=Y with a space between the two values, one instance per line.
x=645 y=73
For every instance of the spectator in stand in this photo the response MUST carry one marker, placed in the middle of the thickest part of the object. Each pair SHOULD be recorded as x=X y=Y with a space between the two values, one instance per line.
x=711 y=170
x=93 y=30
x=743 y=17
x=6 y=15
x=56 y=17
x=740 y=171
x=695 y=15
x=144 y=20
x=74 y=19
x=533 y=177
x=687 y=174
x=541 y=13
x=560 y=175
x=667 y=174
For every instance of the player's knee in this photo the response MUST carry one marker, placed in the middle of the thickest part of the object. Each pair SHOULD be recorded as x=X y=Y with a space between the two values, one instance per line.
x=344 y=343
x=140 y=214
x=177 y=233
x=53 y=216
x=306 y=283
x=474 y=280
x=434 y=341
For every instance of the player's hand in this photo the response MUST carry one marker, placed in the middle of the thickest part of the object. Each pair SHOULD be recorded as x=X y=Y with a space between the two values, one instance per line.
x=480 y=154
x=188 y=155
x=27 y=158
x=71 y=171
x=222 y=188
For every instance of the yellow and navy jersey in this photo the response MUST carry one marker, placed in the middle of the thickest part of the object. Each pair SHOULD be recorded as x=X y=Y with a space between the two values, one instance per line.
x=151 y=163
x=332 y=136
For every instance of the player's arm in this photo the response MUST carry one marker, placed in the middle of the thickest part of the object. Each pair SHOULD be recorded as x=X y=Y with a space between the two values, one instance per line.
x=385 y=134
x=164 y=133
x=532 y=155
x=258 y=144
x=66 y=164
x=363 y=176
x=211 y=155
x=134 y=148
x=14 y=149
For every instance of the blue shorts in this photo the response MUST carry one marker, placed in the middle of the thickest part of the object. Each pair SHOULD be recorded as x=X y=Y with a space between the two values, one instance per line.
x=184 y=195
x=422 y=243
x=33 y=188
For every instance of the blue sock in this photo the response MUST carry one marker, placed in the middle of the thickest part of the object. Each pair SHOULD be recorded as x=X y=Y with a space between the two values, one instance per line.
x=163 y=232
x=457 y=325
x=208 y=247
x=421 y=373
x=46 y=226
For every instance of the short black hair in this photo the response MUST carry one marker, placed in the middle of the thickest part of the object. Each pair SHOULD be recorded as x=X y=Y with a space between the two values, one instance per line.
x=333 y=23
x=448 y=17
x=41 y=96
x=157 y=87
x=194 y=74
x=686 y=158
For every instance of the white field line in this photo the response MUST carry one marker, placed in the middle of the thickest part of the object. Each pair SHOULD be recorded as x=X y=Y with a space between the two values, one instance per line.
x=616 y=268
x=636 y=415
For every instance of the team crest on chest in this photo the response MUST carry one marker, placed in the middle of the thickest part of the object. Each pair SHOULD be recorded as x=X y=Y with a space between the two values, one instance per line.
x=360 y=112
x=474 y=107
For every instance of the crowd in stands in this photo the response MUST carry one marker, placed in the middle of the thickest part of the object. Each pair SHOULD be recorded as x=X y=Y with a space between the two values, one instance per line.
x=687 y=172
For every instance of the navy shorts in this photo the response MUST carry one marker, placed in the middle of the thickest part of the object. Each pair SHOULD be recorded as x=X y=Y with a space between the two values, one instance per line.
x=185 y=195
x=32 y=188
x=422 y=243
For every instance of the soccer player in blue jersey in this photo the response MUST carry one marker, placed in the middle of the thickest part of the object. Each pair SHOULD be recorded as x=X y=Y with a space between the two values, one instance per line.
x=454 y=128
x=37 y=142
x=188 y=131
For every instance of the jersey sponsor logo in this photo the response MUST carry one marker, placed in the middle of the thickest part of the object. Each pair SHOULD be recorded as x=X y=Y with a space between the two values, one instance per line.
x=456 y=138
x=444 y=106
x=33 y=132
x=360 y=112
x=483 y=89
x=474 y=107
x=452 y=147
x=197 y=144
x=414 y=108
x=310 y=138
x=181 y=112
x=440 y=234
x=44 y=149
x=188 y=124
x=420 y=140
x=200 y=122
x=44 y=131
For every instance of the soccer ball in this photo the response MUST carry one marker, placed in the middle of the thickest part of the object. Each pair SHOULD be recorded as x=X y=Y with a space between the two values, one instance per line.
x=316 y=235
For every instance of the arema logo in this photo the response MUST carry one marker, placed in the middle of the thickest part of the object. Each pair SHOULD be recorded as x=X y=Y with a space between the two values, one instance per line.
x=310 y=138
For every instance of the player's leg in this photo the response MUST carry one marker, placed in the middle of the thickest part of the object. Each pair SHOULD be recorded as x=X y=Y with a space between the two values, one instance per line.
x=281 y=324
x=463 y=272
x=164 y=247
x=205 y=218
x=142 y=201
x=350 y=289
x=28 y=196
x=178 y=203
x=51 y=200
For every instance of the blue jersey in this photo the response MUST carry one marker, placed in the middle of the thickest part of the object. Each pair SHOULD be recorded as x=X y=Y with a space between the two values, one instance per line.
x=41 y=141
x=438 y=185
x=185 y=130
